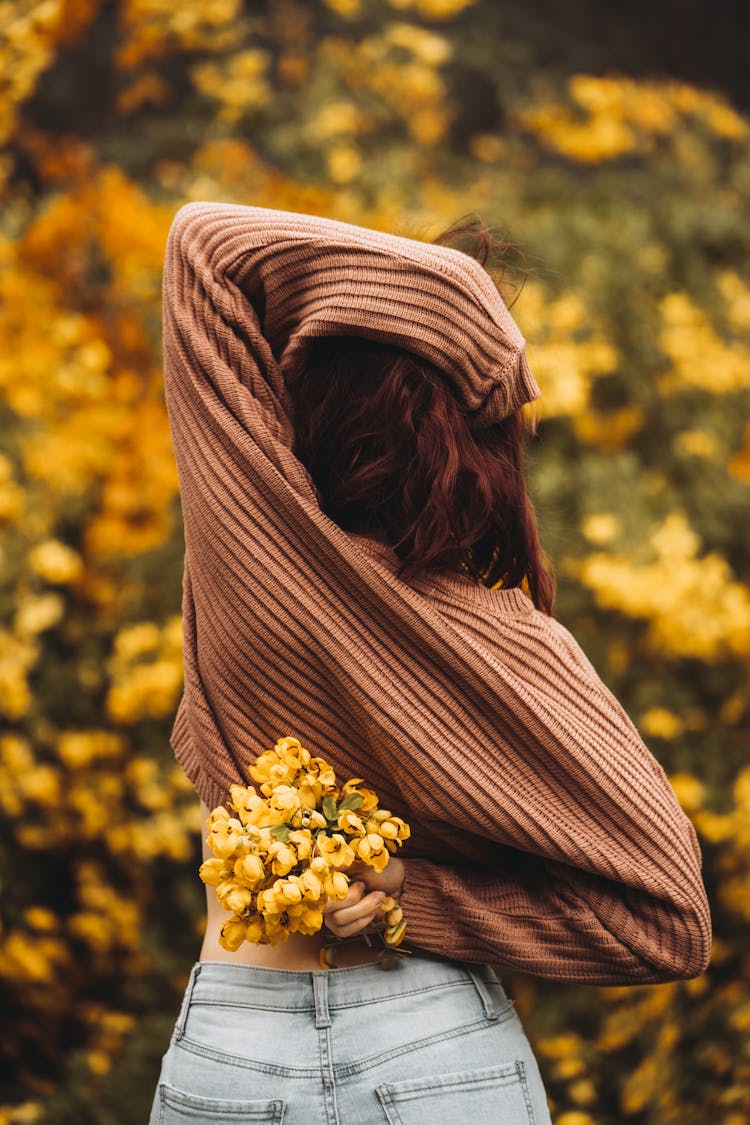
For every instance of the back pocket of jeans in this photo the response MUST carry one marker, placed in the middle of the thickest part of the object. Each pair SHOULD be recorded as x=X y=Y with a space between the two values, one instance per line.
x=481 y=1097
x=179 y=1108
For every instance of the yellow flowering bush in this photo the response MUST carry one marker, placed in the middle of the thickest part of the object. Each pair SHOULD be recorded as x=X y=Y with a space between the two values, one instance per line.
x=283 y=856
x=693 y=603
x=608 y=117
x=626 y=196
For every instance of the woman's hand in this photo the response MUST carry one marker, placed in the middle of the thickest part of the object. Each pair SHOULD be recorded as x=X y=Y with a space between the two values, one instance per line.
x=352 y=915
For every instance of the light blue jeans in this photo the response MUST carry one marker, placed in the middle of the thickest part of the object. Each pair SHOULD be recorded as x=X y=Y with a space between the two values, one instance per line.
x=425 y=1043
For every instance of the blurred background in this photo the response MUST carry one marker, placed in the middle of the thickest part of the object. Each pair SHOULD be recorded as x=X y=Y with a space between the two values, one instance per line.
x=610 y=143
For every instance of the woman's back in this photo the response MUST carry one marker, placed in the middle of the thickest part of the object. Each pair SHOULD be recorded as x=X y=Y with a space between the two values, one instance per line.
x=545 y=836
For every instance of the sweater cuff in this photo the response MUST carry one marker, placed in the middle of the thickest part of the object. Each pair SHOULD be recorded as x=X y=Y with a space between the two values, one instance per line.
x=424 y=909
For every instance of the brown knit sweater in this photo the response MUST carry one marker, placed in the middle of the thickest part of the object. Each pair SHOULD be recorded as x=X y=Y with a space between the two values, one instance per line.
x=545 y=836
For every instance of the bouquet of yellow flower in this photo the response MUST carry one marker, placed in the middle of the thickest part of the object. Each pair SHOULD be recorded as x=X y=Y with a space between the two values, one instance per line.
x=283 y=855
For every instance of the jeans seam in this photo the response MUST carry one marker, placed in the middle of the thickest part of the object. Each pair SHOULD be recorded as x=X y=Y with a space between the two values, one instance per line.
x=228 y=1003
x=213 y=1002
x=166 y=1092
x=350 y=1069
x=506 y=1070
x=387 y=1099
x=521 y=1065
x=397 y=995
x=249 y=1064
x=179 y=1027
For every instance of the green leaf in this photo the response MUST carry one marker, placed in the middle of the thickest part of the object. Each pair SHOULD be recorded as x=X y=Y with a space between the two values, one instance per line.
x=329 y=809
x=352 y=801
x=281 y=832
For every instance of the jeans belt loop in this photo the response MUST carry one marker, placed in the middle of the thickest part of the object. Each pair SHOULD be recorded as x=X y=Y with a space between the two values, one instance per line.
x=483 y=977
x=320 y=992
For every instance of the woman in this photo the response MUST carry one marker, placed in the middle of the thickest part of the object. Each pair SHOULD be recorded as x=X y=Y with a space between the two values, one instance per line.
x=344 y=407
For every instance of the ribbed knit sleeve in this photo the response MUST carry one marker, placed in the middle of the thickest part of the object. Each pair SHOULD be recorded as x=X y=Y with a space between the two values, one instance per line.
x=624 y=893
x=545 y=837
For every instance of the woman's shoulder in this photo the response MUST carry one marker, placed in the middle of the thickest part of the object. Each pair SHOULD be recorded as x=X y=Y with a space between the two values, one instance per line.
x=500 y=622
x=452 y=589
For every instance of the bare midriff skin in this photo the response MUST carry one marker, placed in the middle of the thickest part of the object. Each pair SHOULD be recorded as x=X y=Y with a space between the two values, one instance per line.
x=349 y=917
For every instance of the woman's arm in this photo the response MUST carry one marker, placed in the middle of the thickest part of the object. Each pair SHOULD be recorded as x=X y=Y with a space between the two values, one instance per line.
x=607 y=887
x=594 y=932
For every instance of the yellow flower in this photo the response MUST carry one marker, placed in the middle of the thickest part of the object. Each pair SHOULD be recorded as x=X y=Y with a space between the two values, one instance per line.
x=601 y=527
x=309 y=921
x=369 y=798
x=276 y=931
x=310 y=818
x=256 y=837
x=351 y=823
x=310 y=791
x=661 y=723
x=248 y=869
x=335 y=850
x=292 y=754
x=336 y=885
x=224 y=837
x=283 y=858
x=246 y=802
x=55 y=562
x=323 y=772
x=688 y=790
x=302 y=842
x=36 y=614
x=232 y=934
x=260 y=771
x=40 y=918
x=394 y=828
x=371 y=850
x=217 y=814
x=378 y=860
x=256 y=931
x=394 y=935
x=238 y=898
x=269 y=772
x=284 y=800
x=137 y=640
x=344 y=163
x=311 y=885
x=279 y=896
x=212 y=872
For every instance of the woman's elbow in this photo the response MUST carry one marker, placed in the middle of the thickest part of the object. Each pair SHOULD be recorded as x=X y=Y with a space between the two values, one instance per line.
x=693 y=954
x=683 y=949
x=660 y=937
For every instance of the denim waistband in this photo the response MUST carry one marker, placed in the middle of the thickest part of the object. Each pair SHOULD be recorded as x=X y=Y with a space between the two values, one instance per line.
x=323 y=991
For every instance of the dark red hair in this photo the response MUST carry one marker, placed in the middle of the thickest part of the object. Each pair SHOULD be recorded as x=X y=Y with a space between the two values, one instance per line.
x=394 y=455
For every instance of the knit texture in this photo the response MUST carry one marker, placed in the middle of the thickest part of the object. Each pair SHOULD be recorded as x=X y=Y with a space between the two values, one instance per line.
x=545 y=836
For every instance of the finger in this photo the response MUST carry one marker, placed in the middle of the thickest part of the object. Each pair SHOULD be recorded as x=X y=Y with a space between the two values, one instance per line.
x=366 y=905
x=365 y=908
x=353 y=928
